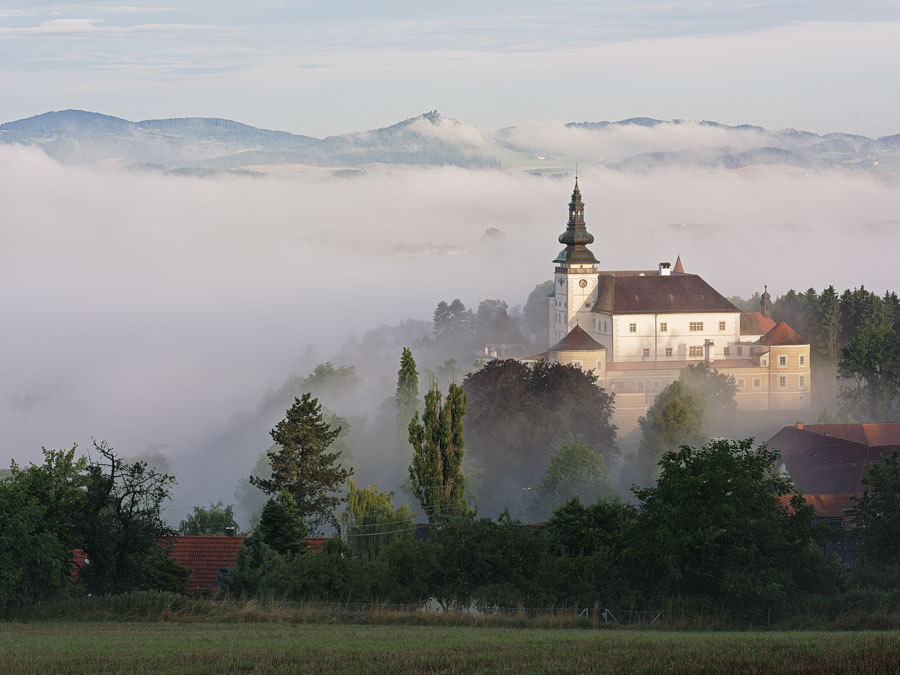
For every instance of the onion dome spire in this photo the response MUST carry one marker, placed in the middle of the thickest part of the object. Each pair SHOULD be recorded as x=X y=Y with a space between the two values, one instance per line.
x=765 y=303
x=576 y=237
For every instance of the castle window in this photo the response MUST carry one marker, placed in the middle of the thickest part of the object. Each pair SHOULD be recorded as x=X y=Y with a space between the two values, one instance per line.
x=802 y=360
x=663 y=327
x=782 y=361
x=756 y=383
x=782 y=381
x=695 y=351
x=740 y=383
x=721 y=325
x=599 y=365
x=577 y=364
x=727 y=351
x=646 y=353
x=803 y=381
x=632 y=328
x=696 y=326
x=668 y=351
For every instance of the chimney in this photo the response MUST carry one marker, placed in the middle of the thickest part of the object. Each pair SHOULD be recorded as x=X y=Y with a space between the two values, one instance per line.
x=229 y=532
x=800 y=426
x=665 y=269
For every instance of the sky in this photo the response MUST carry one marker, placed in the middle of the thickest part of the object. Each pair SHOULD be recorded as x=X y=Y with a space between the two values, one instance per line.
x=324 y=67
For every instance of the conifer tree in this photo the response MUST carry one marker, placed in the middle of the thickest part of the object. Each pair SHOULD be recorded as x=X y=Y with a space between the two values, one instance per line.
x=280 y=524
x=435 y=475
x=302 y=465
x=407 y=398
x=828 y=338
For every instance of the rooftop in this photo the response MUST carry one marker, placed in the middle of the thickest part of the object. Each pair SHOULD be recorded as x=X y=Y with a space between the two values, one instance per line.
x=782 y=334
x=754 y=323
x=577 y=341
x=648 y=293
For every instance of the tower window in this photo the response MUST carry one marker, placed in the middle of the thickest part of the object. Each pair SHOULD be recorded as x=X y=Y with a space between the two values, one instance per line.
x=782 y=381
x=803 y=381
x=740 y=383
x=802 y=360
x=782 y=361
x=721 y=325
x=632 y=328
x=756 y=382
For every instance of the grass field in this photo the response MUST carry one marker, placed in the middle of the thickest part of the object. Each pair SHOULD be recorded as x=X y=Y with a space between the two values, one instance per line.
x=68 y=647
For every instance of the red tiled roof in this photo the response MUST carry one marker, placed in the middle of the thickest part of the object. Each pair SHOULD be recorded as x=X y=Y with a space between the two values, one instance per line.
x=826 y=506
x=535 y=357
x=315 y=544
x=654 y=293
x=754 y=323
x=577 y=341
x=782 y=334
x=831 y=458
x=872 y=435
x=205 y=556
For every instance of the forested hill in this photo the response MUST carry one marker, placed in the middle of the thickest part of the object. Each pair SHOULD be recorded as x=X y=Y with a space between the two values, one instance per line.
x=209 y=145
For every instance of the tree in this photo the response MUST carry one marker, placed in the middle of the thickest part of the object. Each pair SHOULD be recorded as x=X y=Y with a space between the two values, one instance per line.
x=281 y=526
x=213 y=520
x=120 y=526
x=715 y=526
x=302 y=465
x=877 y=513
x=371 y=522
x=870 y=367
x=575 y=471
x=519 y=412
x=714 y=389
x=828 y=338
x=675 y=418
x=36 y=532
x=256 y=563
x=536 y=310
x=407 y=396
x=435 y=475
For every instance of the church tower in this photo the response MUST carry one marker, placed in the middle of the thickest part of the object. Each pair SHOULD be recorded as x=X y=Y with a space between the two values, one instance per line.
x=765 y=303
x=576 y=275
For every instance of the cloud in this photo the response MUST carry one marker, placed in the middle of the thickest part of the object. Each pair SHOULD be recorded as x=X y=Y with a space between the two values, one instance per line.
x=73 y=26
x=154 y=310
x=126 y=9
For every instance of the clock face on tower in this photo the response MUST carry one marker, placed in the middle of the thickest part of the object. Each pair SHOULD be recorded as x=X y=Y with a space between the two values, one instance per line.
x=582 y=283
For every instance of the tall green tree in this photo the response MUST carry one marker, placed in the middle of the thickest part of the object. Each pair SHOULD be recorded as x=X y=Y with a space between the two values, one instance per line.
x=302 y=464
x=407 y=396
x=675 y=418
x=870 y=369
x=828 y=338
x=435 y=475
x=715 y=390
x=208 y=521
x=534 y=313
x=575 y=471
x=371 y=522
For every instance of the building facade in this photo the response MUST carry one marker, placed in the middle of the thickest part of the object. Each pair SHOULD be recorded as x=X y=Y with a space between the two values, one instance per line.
x=636 y=329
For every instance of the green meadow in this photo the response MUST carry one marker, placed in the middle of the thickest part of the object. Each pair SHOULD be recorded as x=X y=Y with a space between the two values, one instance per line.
x=161 y=647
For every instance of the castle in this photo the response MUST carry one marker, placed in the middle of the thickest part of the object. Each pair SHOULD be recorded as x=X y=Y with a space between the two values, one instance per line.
x=636 y=329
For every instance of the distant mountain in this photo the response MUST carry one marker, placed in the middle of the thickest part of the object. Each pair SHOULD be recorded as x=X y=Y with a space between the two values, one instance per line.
x=200 y=146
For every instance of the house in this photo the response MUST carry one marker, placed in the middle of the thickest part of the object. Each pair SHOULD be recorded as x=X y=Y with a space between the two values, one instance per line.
x=827 y=462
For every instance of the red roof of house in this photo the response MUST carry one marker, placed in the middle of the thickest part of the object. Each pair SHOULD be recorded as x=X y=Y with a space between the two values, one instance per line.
x=754 y=323
x=315 y=544
x=782 y=334
x=577 y=341
x=205 y=556
x=631 y=293
x=826 y=506
x=833 y=458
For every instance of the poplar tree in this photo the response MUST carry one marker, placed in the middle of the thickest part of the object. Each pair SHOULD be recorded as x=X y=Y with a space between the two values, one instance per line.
x=435 y=475
x=302 y=465
x=407 y=398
